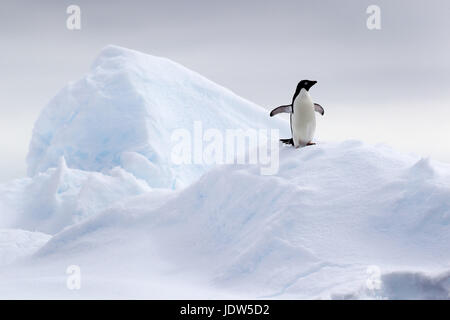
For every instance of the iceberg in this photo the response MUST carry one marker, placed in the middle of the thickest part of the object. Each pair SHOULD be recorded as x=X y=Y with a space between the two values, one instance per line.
x=124 y=111
x=338 y=220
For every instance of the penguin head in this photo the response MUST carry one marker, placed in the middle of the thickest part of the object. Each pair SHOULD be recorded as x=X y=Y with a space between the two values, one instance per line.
x=305 y=84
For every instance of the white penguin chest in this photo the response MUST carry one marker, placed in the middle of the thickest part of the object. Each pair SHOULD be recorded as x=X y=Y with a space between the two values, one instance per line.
x=303 y=120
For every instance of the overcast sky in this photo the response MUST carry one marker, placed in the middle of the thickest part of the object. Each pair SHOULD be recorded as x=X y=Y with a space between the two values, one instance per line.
x=389 y=85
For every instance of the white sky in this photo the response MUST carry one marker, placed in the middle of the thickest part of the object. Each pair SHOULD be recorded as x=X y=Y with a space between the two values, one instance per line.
x=389 y=86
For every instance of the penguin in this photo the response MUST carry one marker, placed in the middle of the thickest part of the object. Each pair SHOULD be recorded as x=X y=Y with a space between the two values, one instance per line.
x=303 y=118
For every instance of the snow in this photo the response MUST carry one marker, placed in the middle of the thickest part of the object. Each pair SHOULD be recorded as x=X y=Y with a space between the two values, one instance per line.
x=339 y=220
x=123 y=112
x=16 y=243
x=310 y=231
x=61 y=196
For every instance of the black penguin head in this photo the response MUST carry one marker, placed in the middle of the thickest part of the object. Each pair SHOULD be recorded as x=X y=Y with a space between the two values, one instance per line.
x=305 y=84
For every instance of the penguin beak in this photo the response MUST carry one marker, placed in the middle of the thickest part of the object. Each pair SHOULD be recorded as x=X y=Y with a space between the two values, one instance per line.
x=311 y=84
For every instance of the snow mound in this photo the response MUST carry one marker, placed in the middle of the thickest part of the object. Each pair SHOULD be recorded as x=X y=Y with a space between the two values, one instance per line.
x=123 y=112
x=62 y=196
x=411 y=285
x=311 y=231
x=416 y=285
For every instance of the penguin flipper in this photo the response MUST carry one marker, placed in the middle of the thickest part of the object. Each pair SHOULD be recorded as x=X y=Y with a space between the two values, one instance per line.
x=281 y=109
x=318 y=108
x=288 y=141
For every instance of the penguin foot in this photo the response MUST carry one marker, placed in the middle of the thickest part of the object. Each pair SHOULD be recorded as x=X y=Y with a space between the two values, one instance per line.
x=288 y=141
x=311 y=144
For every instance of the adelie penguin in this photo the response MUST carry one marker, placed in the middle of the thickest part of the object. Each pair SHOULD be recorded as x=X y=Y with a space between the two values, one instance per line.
x=303 y=117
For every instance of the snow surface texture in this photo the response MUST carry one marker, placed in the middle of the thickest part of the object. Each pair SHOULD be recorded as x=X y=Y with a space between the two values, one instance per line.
x=333 y=216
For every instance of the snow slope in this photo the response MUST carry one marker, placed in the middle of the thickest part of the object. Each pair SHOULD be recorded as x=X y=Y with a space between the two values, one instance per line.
x=62 y=196
x=311 y=231
x=338 y=220
x=123 y=112
x=16 y=244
